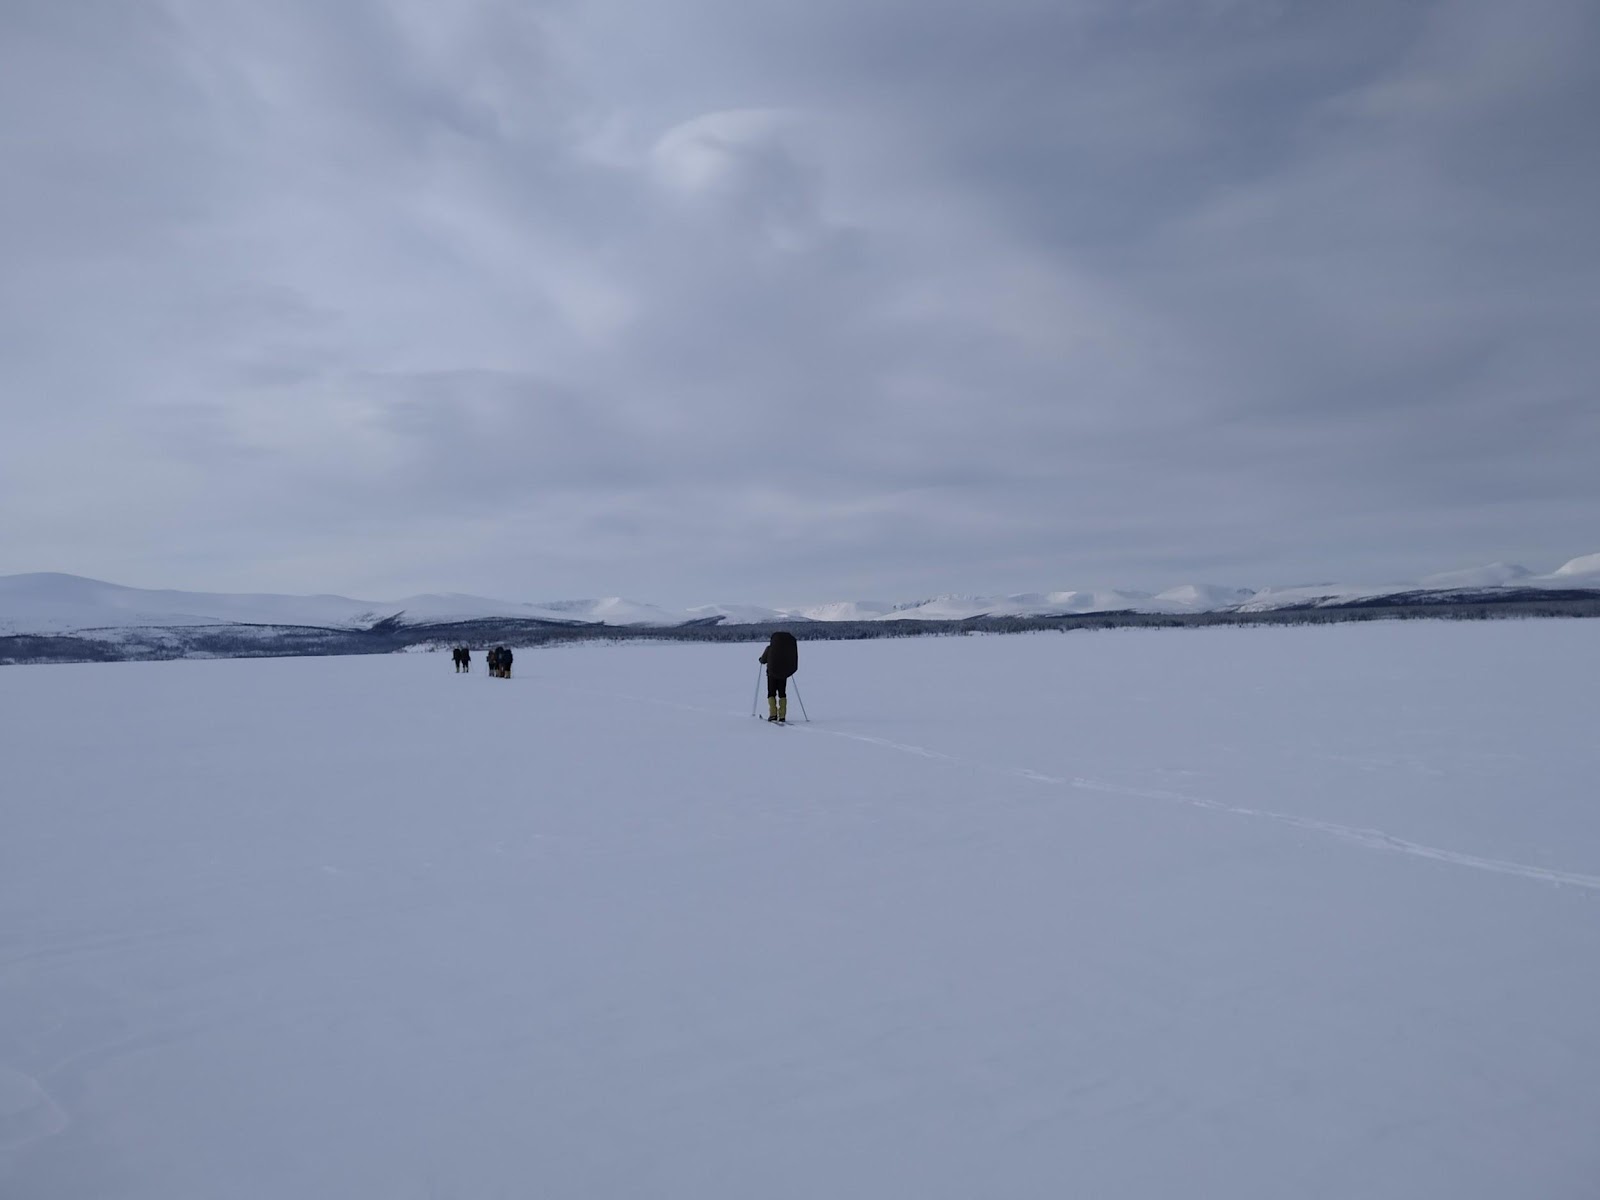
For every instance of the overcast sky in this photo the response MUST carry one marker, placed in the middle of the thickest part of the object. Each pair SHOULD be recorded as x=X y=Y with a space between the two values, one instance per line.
x=782 y=301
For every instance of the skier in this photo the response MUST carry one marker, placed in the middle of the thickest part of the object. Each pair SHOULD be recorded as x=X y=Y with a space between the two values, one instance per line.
x=782 y=657
x=504 y=656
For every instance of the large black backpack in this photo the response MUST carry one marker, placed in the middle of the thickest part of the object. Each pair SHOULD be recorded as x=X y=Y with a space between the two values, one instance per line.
x=784 y=653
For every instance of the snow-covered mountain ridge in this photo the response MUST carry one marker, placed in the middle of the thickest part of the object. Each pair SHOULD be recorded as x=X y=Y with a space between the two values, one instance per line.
x=52 y=603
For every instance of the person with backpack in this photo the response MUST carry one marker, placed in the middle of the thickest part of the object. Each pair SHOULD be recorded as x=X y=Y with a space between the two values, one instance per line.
x=500 y=662
x=782 y=657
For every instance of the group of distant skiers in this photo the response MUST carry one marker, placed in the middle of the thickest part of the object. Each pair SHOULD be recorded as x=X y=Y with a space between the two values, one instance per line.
x=782 y=659
x=499 y=660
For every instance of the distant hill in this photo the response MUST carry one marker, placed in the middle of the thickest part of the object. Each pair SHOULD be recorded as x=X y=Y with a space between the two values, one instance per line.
x=107 y=620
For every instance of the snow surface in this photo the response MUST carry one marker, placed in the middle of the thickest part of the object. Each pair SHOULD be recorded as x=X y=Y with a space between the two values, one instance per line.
x=613 y=610
x=734 y=614
x=1200 y=597
x=1584 y=571
x=1578 y=573
x=1300 y=912
x=846 y=610
x=54 y=603
x=1493 y=575
x=49 y=603
x=959 y=608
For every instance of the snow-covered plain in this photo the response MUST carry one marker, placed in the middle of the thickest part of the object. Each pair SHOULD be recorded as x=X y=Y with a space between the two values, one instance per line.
x=1308 y=912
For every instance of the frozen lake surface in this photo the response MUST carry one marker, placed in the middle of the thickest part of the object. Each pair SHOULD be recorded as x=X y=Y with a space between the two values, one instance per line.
x=1270 y=912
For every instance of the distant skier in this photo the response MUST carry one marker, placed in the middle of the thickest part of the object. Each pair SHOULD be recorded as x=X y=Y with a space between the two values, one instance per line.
x=463 y=659
x=500 y=662
x=782 y=657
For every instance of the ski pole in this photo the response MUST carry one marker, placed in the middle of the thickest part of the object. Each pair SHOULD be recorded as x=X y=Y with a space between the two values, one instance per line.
x=756 y=698
x=802 y=703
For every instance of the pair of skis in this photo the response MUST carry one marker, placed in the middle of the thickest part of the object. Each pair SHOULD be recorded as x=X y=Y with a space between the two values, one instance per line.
x=756 y=699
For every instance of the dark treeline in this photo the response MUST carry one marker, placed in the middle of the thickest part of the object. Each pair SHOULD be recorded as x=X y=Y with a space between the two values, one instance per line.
x=389 y=636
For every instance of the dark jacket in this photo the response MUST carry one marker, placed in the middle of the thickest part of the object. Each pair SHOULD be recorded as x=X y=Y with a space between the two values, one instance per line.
x=782 y=655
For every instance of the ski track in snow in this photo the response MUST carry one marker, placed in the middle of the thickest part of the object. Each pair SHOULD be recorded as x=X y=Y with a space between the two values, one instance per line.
x=1371 y=839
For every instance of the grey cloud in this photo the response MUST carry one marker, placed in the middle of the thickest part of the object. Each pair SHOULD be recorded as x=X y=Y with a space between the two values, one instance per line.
x=772 y=302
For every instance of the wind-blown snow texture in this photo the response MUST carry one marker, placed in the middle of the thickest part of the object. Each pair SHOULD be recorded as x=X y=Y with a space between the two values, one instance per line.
x=1221 y=913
